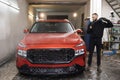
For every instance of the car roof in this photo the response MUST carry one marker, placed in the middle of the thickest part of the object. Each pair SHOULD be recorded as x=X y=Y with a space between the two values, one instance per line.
x=54 y=20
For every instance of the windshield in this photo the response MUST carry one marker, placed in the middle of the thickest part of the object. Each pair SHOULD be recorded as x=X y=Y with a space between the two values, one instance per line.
x=51 y=27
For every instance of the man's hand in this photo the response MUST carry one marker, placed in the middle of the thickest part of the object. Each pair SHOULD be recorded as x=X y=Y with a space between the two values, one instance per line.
x=104 y=20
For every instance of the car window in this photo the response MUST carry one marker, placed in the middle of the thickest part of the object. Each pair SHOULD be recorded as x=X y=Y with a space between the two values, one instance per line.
x=51 y=27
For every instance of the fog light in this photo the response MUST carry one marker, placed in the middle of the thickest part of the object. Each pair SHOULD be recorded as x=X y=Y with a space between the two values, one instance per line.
x=22 y=53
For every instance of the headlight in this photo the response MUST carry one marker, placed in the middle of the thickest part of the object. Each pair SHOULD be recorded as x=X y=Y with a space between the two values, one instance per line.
x=81 y=44
x=79 y=52
x=22 y=45
x=22 y=53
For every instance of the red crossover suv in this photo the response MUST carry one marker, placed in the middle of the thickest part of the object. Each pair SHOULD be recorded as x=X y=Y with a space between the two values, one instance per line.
x=51 y=47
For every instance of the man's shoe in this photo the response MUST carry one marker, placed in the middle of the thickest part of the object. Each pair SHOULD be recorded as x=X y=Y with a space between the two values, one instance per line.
x=99 y=69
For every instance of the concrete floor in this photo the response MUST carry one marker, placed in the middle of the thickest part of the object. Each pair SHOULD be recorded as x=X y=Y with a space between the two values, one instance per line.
x=110 y=71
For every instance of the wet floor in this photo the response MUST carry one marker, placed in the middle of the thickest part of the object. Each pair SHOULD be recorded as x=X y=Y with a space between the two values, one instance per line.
x=110 y=71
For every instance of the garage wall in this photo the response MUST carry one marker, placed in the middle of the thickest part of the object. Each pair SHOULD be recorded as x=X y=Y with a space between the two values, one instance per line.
x=106 y=9
x=77 y=21
x=30 y=16
x=79 y=18
x=87 y=9
x=83 y=10
x=12 y=23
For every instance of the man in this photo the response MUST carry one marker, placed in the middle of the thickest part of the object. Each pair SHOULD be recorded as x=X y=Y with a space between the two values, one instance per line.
x=86 y=35
x=95 y=29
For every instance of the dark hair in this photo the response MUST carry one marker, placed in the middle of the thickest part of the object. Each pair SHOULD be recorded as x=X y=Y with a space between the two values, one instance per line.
x=87 y=19
x=95 y=14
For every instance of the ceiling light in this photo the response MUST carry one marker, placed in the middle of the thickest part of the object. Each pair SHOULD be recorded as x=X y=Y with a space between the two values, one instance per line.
x=42 y=15
x=75 y=15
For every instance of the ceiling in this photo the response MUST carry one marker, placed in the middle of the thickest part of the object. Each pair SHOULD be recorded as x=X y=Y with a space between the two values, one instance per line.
x=56 y=5
x=55 y=8
x=40 y=1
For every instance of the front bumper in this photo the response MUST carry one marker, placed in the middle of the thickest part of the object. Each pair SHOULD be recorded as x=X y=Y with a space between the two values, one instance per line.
x=77 y=65
x=51 y=71
x=26 y=66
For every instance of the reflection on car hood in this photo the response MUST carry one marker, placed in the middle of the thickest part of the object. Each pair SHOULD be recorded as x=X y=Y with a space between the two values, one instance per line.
x=52 y=38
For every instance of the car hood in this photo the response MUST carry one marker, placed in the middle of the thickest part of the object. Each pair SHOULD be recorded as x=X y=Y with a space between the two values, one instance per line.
x=52 y=38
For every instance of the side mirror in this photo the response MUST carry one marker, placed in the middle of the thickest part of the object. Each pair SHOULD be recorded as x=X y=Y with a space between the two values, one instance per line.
x=79 y=31
x=26 y=31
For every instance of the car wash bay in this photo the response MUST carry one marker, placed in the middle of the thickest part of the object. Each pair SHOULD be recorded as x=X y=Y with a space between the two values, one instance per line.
x=17 y=15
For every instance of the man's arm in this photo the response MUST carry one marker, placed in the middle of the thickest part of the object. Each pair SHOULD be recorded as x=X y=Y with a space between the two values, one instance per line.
x=107 y=22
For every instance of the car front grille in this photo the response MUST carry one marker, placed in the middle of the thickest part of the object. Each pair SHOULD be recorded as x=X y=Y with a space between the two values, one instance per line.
x=50 y=55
